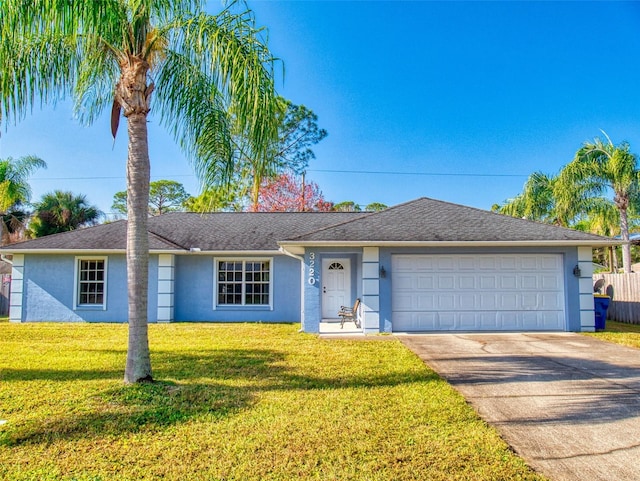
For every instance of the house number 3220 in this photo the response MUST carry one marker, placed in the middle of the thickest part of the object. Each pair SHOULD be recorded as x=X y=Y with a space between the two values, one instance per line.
x=312 y=268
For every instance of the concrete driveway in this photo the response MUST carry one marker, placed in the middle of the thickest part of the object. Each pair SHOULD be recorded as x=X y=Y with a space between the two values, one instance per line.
x=568 y=404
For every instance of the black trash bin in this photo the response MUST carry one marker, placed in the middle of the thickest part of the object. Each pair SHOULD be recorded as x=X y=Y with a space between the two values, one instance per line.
x=600 y=305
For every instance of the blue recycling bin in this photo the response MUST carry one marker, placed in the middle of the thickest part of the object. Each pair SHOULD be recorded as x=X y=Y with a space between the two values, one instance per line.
x=600 y=305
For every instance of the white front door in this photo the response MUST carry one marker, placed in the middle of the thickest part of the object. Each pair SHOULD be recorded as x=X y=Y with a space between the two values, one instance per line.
x=336 y=286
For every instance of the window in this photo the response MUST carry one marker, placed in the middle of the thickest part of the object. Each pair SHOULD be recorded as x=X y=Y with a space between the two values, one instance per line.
x=244 y=283
x=91 y=282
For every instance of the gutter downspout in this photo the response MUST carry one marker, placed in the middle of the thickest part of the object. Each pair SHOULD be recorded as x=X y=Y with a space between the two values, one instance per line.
x=6 y=259
x=301 y=259
x=291 y=254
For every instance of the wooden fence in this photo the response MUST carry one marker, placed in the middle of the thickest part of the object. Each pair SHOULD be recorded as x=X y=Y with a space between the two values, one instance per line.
x=624 y=290
x=5 y=287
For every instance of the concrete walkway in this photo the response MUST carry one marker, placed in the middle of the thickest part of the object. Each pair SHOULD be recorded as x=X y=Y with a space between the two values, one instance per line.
x=568 y=404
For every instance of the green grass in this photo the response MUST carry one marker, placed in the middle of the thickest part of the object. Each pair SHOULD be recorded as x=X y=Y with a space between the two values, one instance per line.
x=234 y=402
x=620 y=333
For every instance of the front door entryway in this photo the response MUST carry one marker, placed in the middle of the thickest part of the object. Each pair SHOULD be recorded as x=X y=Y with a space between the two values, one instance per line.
x=336 y=286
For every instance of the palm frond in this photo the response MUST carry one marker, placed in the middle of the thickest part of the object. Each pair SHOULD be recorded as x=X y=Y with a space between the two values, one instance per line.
x=196 y=115
x=14 y=186
x=217 y=78
x=232 y=53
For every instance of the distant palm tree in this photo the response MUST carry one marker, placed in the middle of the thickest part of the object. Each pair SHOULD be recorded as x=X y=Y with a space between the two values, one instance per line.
x=14 y=223
x=603 y=219
x=597 y=167
x=375 y=207
x=117 y=53
x=536 y=202
x=214 y=199
x=15 y=192
x=347 y=206
x=60 y=211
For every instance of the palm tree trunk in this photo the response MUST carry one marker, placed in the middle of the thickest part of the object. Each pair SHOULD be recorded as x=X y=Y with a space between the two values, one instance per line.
x=138 y=366
x=626 y=246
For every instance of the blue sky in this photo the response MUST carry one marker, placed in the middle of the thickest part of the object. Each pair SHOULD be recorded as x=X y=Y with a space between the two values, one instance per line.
x=458 y=101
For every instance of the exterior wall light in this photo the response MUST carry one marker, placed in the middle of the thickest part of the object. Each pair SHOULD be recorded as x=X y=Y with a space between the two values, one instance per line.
x=576 y=271
x=383 y=273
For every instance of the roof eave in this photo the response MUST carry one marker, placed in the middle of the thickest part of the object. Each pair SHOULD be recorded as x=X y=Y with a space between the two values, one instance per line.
x=525 y=243
x=227 y=253
x=7 y=251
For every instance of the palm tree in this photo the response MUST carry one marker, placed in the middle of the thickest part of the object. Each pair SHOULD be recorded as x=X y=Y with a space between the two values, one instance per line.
x=347 y=206
x=15 y=191
x=118 y=53
x=537 y=202
x=376 y=207
x=603 y=219
x=60 y=211
x=597 y=167
x=215 y=199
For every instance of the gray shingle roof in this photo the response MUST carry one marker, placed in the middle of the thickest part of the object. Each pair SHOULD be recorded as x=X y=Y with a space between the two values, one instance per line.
x=220 y=231
x=429 y=220
x=422 y=220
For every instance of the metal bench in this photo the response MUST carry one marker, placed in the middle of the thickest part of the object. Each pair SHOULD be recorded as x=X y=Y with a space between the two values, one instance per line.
x=347 y=313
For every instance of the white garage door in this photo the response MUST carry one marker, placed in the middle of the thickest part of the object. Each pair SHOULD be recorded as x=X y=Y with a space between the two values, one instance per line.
x=477 y=292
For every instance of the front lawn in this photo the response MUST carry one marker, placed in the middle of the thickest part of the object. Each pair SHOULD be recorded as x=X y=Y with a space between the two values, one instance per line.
x=234 y=402
x=620 y=333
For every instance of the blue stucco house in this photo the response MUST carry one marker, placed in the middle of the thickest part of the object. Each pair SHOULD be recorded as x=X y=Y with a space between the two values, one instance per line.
x=425 y=265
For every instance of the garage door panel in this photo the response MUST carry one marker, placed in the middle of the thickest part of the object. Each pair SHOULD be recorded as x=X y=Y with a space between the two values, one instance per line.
x=403 y=303
x=508 y=263
x=488 y=282
x=529 y=263
x=488 y=301
x=486 y=263
x=467 y=301
x=403 y=282
x=551 y=263
x=445 y=263
x=424 y=264
x=467 y=282
x=509 y=320
x=508 y=301
x=467 y=264
x=468 y=321
x=446 y=302
x=530 y=300
x=550 y=300
x=426 y=319
x=548 y=320
x=426 y=302
x=411 y=321
x=488 y=321
x=426 y=282
x=406 y=264
x=508 y=282
x=531 y=318
x=446 y=321
x=549 y=282
x=446 y=282
x=483 y=292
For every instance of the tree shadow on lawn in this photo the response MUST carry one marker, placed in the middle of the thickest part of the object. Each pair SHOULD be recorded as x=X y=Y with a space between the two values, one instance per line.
x=209 y=384
x=9 y=374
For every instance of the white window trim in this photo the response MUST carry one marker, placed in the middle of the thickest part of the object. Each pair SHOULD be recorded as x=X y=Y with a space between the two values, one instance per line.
x=216 y=260
x=76 y=285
